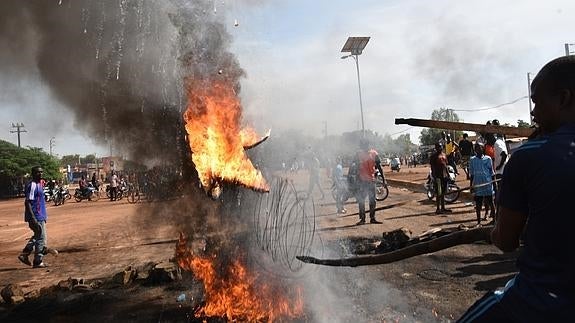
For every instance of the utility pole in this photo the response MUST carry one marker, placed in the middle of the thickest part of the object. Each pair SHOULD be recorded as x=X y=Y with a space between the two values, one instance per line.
x=529 y=98
x=19 y=128
x=52 y=143
x=567 y=49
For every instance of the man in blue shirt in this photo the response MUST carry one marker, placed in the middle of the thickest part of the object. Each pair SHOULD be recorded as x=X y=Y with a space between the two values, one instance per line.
x=481 y=176
x=536 y=206
x=35 y=215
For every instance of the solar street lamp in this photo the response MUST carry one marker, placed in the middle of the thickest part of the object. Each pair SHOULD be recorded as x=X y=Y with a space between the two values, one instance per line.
x=354 y=46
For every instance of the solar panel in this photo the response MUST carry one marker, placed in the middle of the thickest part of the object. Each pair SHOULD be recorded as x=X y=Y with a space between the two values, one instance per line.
x=355 y=45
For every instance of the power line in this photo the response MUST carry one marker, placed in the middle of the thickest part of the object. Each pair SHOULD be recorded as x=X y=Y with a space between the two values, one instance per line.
x=494 y=107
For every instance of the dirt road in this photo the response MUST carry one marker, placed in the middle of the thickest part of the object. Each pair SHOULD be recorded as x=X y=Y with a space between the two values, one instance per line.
x=97 y=239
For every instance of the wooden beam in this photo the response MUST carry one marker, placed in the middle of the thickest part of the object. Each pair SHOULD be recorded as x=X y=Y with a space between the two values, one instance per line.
x=463 y=126
x=447 y=241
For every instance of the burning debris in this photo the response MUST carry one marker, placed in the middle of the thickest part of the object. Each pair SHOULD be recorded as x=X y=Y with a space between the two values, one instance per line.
x=216 y=140
x=234 y=292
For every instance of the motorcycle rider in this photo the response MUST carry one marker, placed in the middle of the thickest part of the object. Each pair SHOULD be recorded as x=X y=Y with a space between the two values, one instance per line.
x=83 y=186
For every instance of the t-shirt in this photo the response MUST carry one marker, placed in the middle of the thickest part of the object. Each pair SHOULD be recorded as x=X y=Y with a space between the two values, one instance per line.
x=449 y=147
x=490 y=151
x=498 y=148
x=538 y=182
x=481 y=169
x=35 y=195
x=367 y=161
x=438 y=162
x=466 y=147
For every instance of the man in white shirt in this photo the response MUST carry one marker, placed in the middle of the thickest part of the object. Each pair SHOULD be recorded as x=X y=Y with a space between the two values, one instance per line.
x=499 y=161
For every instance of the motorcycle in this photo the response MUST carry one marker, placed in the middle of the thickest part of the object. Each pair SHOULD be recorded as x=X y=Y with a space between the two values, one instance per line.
x=121 y=191
x=59 y=196
x=395 y=164
x=452 y=193
x=90 y=194
x=350 y=188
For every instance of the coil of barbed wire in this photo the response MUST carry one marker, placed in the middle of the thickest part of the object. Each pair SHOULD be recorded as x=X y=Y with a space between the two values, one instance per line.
x=284 y=223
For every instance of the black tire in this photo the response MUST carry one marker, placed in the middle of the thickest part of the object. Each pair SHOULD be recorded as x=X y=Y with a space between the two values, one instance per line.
x=452 y=197
x=381 y=191
x=78 y=198
x=430 y=194
x=133 y=197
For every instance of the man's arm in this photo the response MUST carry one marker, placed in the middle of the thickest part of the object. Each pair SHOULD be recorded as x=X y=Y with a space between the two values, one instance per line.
x=508 y=229
x=503 y=159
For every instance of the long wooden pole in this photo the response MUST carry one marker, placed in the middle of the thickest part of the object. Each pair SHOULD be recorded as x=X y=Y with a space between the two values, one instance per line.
x=447 y=241
x=462 y=126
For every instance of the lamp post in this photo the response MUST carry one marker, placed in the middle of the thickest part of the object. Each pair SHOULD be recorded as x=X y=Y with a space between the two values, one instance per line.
x=52 y=143
x=355 y=46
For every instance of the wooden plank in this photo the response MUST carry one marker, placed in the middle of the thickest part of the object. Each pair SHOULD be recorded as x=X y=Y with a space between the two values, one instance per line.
x=447 y=241
x=463 y=126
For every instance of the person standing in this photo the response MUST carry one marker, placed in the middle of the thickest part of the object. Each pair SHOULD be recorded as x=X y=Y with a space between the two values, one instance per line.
x=367 y=161
x=340 y=186
x=536 y=210
x=36 y=216
x=481 y=176
x=450 y=150
x=499 y=162
x=438 y=163
x=466 y=150
x=113 y=186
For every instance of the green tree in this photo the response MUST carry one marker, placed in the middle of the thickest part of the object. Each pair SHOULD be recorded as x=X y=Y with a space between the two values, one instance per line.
x=69 y=160
x=16 y=162
x=523 y=124
x=430 y=136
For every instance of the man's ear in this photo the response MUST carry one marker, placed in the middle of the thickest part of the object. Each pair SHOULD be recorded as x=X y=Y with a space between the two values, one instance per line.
x=566 y=99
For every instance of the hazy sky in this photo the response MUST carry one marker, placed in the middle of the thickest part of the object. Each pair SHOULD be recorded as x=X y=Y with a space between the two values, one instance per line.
x=422 y=55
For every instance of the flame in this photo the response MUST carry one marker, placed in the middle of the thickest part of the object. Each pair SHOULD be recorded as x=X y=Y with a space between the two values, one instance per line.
x=217 y=142
x=239 y=296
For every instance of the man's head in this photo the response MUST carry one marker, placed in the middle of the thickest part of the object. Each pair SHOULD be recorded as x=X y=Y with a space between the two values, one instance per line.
x=553 y=92
x=479 y=149
x=465 y=136
x=438 y=147
x=37 y=172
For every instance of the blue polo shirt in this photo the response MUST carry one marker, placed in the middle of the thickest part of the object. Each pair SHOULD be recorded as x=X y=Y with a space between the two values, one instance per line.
x=539 y=181
x=35 y=194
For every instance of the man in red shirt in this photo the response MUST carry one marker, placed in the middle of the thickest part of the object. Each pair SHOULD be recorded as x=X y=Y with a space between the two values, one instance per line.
x=438 y=162
x=367 y=161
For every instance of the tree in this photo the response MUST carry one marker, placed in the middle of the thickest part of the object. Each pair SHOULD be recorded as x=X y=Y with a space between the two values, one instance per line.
x=523 y=124
x=430 y=136
x=16 y=164
x=69 y=160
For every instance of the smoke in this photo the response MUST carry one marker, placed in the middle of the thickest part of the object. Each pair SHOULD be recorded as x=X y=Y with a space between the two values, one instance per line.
x=118 y=66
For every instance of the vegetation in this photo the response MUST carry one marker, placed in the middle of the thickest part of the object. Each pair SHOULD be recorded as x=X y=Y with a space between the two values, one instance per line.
x=17 y=162
x=430 y=136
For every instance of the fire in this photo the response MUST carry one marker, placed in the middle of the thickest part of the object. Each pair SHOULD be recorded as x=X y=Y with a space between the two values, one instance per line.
x=216 y=139
x=238 y=295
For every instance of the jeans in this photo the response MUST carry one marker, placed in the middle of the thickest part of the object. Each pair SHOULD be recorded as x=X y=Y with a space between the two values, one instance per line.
x=366 y=189
x=37 y=242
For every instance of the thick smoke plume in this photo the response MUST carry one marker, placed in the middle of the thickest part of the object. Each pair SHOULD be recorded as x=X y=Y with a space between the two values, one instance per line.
x=119 y=66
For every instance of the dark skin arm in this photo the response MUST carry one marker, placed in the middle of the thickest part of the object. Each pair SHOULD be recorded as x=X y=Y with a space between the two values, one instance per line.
x=29 y=213
x=503 y=159
x=508 y=229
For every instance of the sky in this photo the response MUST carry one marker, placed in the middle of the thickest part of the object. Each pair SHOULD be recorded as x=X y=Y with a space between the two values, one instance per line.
x=422 y=55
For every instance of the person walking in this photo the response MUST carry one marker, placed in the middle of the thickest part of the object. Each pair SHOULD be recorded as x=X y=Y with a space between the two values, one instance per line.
x=438 y=163
x=481 y=175
x=314 y=175
x=367 y=161
x=536 y=210
x=36 y=216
